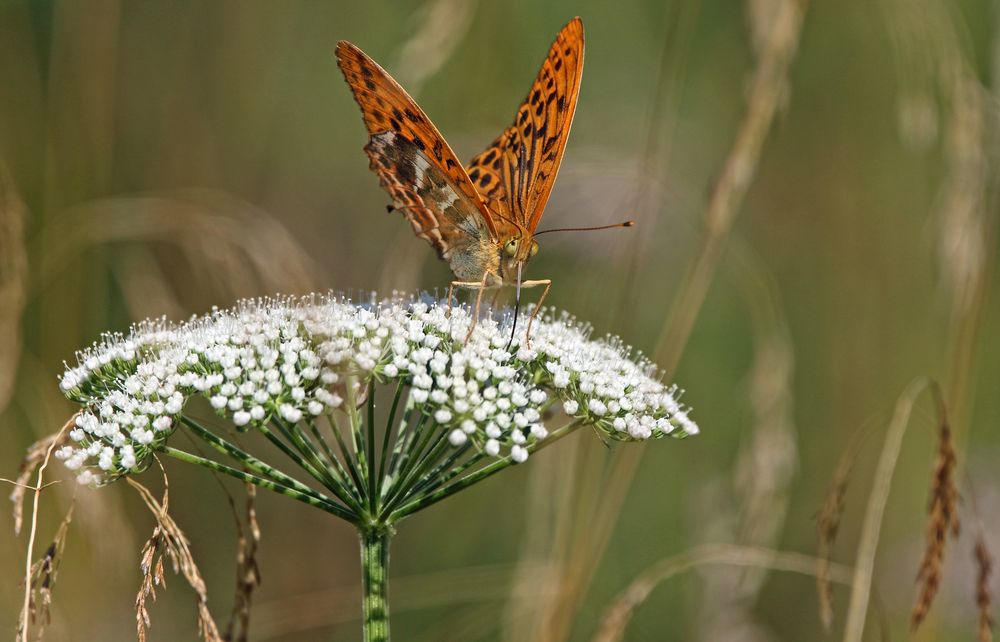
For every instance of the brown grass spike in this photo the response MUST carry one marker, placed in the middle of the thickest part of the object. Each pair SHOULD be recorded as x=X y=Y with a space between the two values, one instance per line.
x=170 y=541
x=28 y=609
x=828 y=525
x=942 y=518
x=984 y=600
x=43 y=581
x=247 y=571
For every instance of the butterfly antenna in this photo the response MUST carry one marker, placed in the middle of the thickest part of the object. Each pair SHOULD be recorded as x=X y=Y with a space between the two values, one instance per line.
x=587 y=229
x=517 y=307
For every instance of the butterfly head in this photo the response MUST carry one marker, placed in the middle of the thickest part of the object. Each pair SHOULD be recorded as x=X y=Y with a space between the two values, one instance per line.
x=516 y=252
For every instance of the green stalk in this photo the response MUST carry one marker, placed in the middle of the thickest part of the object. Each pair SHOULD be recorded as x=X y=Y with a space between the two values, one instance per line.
x=417 y=473
x=370 y=448
x=359 y=441
x=412 y=457
x=309 y=451
x=292 y=454
x=423 y=502
x=334 y=460
x=403 y=436
x=360 y=489
x=390 y=424
x=442 y=473
x=375 y=584
x=312 y=497
x=248 y=460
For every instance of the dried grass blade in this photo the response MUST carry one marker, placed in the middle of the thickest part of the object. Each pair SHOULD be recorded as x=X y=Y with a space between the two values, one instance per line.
x=871 y=526
x=618 y=615
x=247 y=571
x=25 y=618
x=13 y=279
x=984 y=599
x=43 y=580
x=942 y=519
x=170 y=541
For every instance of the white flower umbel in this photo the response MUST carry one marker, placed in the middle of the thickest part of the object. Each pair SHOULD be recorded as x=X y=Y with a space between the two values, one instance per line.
x=287 y=359
x=305 y=374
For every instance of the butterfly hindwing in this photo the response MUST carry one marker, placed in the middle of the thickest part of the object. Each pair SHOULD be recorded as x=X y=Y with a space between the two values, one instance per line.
x=418 y=168
x=520 y=166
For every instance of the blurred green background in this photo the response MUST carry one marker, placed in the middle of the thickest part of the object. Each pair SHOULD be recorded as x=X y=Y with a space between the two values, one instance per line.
x=161 y=158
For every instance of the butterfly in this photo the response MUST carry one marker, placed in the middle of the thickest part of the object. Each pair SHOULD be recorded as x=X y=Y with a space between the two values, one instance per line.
x=481 y=218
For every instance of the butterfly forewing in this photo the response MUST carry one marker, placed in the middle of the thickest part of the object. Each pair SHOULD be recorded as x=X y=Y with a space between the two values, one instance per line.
x=519 y=168
x=418 y=168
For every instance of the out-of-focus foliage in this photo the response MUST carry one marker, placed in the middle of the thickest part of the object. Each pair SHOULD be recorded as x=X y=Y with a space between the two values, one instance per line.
x=161 y=158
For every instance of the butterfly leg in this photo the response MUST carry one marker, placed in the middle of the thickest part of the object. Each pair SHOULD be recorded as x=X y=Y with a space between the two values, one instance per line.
x=451 y=290
x=538 y=306
x=476 y=285
x=479 y=301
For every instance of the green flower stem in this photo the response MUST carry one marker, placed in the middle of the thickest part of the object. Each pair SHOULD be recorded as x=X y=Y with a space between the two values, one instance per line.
x=337 y=483
x=481 y=474
x=454 y=472
x=359 y=488
x=319 y=454
x=418 y=473
x=370 y=447
x=403 y=436
x=422 y=436
x=375 y=584
x=328 y=453
x=411 y=457
x=312 y=497
x=335 y=462
x=404 y=446
x=440 y=475
x=294 y=456
x=309 y=451
x=354 y=416
x=244 y=457
x=387 y=436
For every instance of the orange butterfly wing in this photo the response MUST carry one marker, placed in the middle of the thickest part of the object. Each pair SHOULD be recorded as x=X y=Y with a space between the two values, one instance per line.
x=417 y=167
x=516 y=172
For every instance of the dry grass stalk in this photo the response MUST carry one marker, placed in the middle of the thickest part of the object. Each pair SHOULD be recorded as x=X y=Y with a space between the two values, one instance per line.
x=168 y=540
x=984 y=600
x=247 y=571
x=37 y=454
x=942 y=518
x=828 y=524
x=871 y=526
x=230 y=239
x=43 y=580
x=13 y=276
x=449 y=591
x=26 y=609
x=440 y=27
x=768 y=87
x=750 y=508
x=618 y=615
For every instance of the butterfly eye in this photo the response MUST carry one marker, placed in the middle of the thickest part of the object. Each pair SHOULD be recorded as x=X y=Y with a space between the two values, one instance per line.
x=511 y=247
x=534 y=248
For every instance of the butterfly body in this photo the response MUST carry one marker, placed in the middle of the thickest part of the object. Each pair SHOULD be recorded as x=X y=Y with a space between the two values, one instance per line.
x=480 y=219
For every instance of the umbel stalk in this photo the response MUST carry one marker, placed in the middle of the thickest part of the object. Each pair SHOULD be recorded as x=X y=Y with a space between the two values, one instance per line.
x=375 y=584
